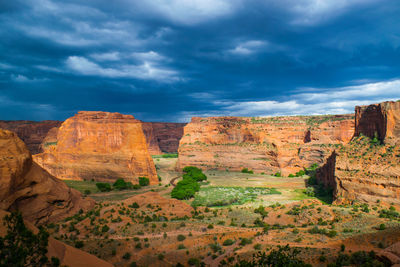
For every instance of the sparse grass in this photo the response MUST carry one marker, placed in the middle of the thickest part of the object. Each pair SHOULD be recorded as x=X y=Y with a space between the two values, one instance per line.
x=223 y=196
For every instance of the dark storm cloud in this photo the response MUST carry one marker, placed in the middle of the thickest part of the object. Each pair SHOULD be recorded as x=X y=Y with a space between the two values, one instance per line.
x=170 y=60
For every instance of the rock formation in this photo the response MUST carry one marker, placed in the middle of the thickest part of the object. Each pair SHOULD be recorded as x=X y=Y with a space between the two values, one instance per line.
x=25 y=186
x=163 y=137
x=68 y=256
x=31 y=132
x=268 y=144
x=368 y=170
x=99 y=145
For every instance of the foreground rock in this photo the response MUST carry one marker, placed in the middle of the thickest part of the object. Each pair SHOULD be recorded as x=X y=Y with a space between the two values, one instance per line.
x=99 y=145
x=67 y=255
x=26 y=187
x=269 y=144
x=368 y=168
x=31 y=132
x=163 y=137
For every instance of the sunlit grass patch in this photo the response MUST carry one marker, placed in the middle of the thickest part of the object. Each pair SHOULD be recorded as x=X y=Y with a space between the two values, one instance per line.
x=223 y=196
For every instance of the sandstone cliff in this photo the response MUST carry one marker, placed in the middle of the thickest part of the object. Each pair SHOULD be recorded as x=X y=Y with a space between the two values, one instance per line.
x=163 y=137
x=365 y=170
x=268 y=144
x=31 y=132
x=99 y=145
x=25 y=186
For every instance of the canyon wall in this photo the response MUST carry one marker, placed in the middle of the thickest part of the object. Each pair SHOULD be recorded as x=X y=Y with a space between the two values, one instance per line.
x=31 y=132
x=366 y=170
x=380 y=119
x=163 y=137
x=101 y=146
x=25 y=186
x=267 y=144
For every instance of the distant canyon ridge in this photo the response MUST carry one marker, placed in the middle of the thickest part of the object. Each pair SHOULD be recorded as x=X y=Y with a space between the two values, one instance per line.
x=105 y=146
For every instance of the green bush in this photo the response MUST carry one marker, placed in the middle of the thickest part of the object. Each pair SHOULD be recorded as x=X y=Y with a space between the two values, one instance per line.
x=278 y=174
x=120 y=184
x=144 y=181
x=228 y=242
x=246 y=170
x=195 y=173
x=126 y=256
x=181 y=237
x=103 y=187
x=185 y=189
x=21 y=247
x=87 y=192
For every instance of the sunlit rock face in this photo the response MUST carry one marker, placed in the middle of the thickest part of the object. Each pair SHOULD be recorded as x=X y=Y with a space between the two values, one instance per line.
x=99 y=146
x=368 y=168
x=31 y=132
x=25 y=186
x=269 y=144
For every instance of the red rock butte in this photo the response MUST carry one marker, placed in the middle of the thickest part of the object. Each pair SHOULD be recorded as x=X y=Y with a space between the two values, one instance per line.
x=365 y=170
x=263 y=144
x=99 y=146
x=25 y=186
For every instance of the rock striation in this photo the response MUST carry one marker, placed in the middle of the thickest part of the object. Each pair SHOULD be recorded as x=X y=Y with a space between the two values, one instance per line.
x=267 y=144
x=26 y=187
x=367 y=170
x=31 y=132
x=163 y=137
x=99 y=146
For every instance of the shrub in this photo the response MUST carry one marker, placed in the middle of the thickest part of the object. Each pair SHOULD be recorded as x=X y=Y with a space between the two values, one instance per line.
x=181 y=237
x=194 y=261
x=103 y=187
x=195 y=173
x=79 y=244
x=282 y=257
x=246 y=170
x=120 y=184
x=278 y=174
x=245 y=241
x=228 y=242
x=87 y=192
x=185 y=189
x=21 y=247
x=126 y=256
x=144 y=181
x=382 y=226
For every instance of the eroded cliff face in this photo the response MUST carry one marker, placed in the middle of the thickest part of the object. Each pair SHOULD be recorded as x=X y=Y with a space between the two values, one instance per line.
x=269 y=145
x=31 y=132
x=99 y=145
x=163 y=137
x=364 y=170
x=381 y=119
x=26 y=187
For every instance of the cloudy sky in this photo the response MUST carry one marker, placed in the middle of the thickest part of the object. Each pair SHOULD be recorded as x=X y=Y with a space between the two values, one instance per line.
x=169 y=60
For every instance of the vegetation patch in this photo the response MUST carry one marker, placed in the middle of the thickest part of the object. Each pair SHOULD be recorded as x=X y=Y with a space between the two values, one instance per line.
x=223 y=196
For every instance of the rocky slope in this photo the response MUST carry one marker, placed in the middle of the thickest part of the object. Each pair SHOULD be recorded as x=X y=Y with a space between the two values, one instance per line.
x=163 y=137
x=31 y=132
x=269 y=144
x=368 y=170
x=68 y=256
x=99 y=145
x=25 y=186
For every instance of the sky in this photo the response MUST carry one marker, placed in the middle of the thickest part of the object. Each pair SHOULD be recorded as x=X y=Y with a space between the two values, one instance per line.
x=170 y=60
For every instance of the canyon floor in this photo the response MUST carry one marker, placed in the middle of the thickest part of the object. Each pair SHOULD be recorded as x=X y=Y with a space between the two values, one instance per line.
x=147 y=227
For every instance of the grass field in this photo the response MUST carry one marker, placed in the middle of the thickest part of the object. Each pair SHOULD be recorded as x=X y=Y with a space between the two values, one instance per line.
x=81 y=186
x=223 y=196
x=114 y=195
